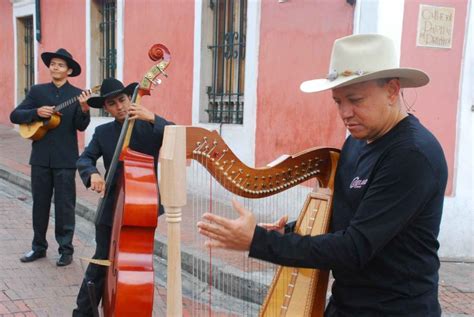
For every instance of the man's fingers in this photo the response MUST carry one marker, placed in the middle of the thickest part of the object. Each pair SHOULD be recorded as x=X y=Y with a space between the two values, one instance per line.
x=209 y=234
x=98 y=187
x=269 y=226
x=217 y=240
x=283 y=220
x=216 y=219
x=214 y=244
x=209 y=227
x=238 y=207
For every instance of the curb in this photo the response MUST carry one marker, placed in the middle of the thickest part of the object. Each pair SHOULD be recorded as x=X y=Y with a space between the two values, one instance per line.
x=189 y=258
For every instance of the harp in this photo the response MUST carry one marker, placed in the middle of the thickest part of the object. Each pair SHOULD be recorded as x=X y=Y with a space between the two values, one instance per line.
x=291 y=291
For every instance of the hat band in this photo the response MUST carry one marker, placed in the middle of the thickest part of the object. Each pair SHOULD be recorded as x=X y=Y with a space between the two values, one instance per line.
x=334 y=74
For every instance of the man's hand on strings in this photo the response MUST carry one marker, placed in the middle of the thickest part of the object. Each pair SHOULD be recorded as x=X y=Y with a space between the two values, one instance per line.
x=97 y=183
x=278 y=225
x=83 y=100
x=232 y=234
x=137 y=111
x=45 y=111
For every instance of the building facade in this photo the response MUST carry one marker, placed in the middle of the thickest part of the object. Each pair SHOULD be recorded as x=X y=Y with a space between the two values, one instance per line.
x=236 y=67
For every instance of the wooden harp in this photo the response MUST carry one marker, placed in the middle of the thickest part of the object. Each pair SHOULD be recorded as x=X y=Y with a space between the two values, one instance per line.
x=291 y=291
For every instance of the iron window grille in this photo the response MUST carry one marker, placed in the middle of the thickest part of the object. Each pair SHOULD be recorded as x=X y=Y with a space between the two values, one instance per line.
x=108 y=57
x=226 y=95
x=29 y=63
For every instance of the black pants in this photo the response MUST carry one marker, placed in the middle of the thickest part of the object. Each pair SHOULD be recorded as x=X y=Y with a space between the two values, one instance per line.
x=94 y=273
x=43 y=181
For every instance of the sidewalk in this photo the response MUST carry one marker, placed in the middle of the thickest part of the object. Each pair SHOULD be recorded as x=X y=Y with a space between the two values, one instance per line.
x=41 y=288
x=456 y=290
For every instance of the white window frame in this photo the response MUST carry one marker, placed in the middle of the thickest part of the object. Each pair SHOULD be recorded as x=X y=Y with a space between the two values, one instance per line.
x=240 y=137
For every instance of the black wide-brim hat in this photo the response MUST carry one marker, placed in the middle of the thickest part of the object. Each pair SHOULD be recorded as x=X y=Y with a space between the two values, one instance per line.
x=110 y=87
x=65 y=55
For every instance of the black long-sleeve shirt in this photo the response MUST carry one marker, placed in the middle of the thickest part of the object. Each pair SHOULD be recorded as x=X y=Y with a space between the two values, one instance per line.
x=146 y=138
x=383 y=244
x=58 y=148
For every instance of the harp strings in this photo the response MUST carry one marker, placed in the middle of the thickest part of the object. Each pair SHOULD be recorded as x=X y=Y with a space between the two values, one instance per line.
x=229 y=283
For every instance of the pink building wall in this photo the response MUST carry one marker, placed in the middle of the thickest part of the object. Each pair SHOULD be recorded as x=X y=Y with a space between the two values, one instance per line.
x=170 y=23
x=71 y=35
x=53 y=37
x=7 y=66
x=437 y=104
x=63 y=25
x=295 y=45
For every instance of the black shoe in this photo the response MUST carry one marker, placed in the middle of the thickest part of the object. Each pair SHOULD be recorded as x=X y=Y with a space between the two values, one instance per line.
x=64 y=259
x=33 y=256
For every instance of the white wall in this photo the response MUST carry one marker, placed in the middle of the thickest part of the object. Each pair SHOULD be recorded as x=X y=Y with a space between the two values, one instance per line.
x=381 y=16
x=457 y=225
x=22 y=8
x=95 y=121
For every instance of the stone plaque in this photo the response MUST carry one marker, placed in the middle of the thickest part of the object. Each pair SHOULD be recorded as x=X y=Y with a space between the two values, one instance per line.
x=435 y=26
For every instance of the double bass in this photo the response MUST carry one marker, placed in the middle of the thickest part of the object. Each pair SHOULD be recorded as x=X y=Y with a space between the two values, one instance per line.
x=129 y=285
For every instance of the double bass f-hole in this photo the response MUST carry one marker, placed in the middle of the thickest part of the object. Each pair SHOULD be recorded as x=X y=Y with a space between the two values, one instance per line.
x=114 y=248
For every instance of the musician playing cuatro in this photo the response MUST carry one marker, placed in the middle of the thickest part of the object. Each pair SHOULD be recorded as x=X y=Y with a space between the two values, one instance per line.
x=53 y=157
x=147 y=137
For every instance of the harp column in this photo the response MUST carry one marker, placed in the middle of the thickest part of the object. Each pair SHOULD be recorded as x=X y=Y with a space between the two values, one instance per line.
x=173 y=198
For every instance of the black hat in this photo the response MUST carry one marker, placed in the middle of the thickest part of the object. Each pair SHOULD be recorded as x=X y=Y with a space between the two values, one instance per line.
x=110 y=87
x=62 y=54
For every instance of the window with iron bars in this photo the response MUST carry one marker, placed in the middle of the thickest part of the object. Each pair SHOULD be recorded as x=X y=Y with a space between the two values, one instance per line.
x=226 y=94
x=28 y=53
x=108 y=49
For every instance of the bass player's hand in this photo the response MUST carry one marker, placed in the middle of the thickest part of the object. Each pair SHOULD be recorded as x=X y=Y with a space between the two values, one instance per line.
x=97 y=183
x=137 y=111
x=45 y=111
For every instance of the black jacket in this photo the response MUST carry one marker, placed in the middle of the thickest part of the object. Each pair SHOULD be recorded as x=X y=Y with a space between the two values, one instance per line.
x=146 y=138
x=58 y=148
x=387 y=207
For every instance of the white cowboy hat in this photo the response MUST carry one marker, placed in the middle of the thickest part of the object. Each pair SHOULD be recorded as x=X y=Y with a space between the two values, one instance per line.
x=364 y=57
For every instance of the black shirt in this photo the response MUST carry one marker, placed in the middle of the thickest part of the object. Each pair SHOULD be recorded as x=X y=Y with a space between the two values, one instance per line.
x=58 y=148
x=383 y=243
x=146 y=138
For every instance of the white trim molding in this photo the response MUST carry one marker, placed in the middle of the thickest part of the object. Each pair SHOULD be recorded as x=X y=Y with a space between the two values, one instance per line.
x=22 y=8
x=240 y=138
x=457 y=226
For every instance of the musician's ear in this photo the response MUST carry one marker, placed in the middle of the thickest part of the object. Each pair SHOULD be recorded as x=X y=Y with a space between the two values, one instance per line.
x=69 y=71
